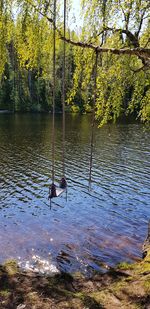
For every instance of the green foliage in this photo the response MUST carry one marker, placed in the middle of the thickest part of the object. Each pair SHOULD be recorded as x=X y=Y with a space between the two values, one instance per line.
x=26 y=47
x=122 y=87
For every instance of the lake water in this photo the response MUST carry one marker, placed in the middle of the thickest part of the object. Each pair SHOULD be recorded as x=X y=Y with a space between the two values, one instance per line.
x=105 y=225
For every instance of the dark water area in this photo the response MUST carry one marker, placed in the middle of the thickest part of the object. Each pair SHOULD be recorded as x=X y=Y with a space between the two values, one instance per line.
x=107 y=224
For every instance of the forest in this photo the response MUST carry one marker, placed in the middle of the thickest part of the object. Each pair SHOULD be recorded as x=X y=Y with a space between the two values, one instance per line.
x=117 y=30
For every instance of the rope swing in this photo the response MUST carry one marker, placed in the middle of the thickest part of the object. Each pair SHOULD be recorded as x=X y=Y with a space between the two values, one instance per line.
x=54 y=93
x=55 y=191
x=63 y=183
x=93 y=119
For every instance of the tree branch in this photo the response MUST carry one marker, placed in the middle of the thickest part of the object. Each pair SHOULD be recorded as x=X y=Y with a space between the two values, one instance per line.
x=143 y=68
x=148 y=41
x=133 y=39
x=141 y=22
x=143 y=53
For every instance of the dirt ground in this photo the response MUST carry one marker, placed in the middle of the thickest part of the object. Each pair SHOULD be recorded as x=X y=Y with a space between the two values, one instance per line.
x=126 y=286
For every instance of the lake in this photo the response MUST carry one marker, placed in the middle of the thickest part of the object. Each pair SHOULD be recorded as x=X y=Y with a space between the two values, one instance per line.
x=106 y=224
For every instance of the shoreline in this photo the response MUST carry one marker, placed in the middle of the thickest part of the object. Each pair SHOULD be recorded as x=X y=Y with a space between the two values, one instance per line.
x=125 y=286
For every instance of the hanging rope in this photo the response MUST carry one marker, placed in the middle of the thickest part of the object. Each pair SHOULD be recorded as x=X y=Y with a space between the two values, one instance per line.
x=93 y=118
x=63 y=183
x=55 y=191
x=54 y=83
x=63 y=94
x=52 y=188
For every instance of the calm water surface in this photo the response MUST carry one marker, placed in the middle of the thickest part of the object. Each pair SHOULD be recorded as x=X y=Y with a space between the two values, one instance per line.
x=107 y=224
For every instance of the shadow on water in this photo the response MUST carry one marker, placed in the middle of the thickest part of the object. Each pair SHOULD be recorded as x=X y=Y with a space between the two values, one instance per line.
x=107 y=224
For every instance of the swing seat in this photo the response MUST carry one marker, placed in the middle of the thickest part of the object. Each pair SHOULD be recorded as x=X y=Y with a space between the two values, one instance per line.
x=56 y=191
x=59 y=191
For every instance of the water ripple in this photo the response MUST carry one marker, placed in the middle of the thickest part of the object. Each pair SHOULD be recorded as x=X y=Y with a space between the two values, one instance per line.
x=104 y=224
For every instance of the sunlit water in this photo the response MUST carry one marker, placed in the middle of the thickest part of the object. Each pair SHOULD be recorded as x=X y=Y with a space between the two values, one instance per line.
x=107 y=224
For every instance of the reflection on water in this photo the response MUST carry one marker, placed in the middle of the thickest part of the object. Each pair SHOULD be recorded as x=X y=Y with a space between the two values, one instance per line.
x=39 y=265
x=107 y=224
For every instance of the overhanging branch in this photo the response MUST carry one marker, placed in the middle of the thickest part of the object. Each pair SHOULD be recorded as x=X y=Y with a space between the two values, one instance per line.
x=140 y=52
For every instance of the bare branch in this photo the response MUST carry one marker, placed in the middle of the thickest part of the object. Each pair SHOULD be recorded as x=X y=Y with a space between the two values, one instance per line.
x=141 y=22
x=147 y=43
x=133 y=39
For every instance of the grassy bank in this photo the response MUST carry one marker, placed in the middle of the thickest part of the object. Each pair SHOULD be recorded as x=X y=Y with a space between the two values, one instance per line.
x=126 y=286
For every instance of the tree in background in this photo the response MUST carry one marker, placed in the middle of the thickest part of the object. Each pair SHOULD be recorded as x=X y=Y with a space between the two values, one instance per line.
x=118 y=30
